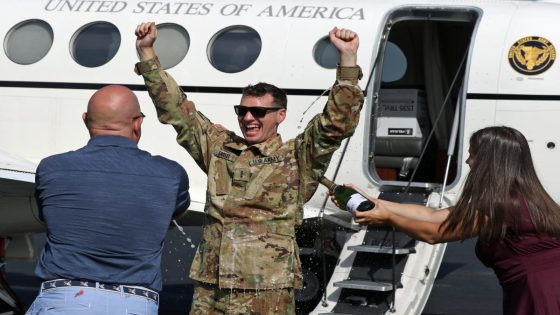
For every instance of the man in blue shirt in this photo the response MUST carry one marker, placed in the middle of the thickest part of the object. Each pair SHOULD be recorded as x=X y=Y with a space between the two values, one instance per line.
x=107 y=207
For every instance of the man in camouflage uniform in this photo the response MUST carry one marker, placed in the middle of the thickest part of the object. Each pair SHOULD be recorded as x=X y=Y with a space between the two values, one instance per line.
x=248 y=259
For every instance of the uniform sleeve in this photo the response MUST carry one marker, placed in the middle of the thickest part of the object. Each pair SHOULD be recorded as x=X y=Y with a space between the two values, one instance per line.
x=175 y=109
x=325 y=132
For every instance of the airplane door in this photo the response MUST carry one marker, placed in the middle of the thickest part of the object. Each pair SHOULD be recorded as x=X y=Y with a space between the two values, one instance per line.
x=416 y=92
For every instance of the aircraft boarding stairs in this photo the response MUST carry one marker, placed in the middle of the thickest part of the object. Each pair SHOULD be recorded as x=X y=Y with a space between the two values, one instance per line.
x=369 y=265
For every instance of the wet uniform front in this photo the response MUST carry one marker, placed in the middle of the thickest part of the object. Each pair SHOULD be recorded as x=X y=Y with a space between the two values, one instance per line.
x=255 y=194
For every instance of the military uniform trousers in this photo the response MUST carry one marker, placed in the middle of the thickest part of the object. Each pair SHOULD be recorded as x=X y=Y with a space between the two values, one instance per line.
x=208 y=299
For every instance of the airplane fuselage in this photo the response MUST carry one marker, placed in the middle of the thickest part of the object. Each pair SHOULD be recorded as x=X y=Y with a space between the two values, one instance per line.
x=428 y=65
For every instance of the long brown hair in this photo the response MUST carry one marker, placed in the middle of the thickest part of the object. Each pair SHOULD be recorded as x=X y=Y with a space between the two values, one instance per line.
x=501 y=176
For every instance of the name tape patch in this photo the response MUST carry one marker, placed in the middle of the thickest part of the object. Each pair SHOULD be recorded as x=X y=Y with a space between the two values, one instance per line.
x=225 y=155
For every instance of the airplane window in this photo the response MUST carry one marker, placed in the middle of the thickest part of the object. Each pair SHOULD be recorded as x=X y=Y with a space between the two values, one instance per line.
x=95 y=44
x=325 y=54
x=28 y=41
x=394 y=63
x=172 y=44
x=234 y=49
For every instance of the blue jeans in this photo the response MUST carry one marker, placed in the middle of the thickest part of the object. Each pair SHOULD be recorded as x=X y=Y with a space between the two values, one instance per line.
x=90 y=301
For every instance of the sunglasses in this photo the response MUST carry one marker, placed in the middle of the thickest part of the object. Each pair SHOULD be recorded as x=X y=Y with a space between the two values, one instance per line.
x=256 y=111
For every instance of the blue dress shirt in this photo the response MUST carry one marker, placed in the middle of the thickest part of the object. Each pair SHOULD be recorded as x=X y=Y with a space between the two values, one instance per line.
x=108 y=207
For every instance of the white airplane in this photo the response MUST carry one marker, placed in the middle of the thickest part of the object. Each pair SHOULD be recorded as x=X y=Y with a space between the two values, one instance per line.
x=435 y=71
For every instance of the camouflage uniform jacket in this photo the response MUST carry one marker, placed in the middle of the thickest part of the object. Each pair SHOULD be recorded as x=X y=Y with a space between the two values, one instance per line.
x=255 y=194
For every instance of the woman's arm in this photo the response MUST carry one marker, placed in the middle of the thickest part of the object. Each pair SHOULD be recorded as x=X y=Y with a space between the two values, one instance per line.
x=420 y=222
x=429 y=232
x=410 y=211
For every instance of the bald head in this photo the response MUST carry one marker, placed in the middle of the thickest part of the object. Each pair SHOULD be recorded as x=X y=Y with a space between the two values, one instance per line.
x=114 y=110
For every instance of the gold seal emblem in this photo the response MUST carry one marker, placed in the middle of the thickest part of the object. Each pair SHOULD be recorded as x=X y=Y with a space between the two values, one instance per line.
x=532 y=55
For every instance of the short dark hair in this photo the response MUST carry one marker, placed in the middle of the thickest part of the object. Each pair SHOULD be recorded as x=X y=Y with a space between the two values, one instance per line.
x=261 y=89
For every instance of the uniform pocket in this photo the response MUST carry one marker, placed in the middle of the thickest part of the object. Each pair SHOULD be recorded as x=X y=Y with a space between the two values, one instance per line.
x=221 y=180
x=262 y=261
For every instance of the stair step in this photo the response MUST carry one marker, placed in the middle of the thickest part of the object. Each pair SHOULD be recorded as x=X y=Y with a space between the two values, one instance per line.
x=382 y=249
x=365 y=285
x=344 y=219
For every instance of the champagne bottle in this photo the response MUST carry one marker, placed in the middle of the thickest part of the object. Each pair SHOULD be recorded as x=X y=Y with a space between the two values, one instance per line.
x=346 y=196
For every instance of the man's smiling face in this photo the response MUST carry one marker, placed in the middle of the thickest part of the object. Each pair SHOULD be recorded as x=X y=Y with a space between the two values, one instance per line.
x=257 y=129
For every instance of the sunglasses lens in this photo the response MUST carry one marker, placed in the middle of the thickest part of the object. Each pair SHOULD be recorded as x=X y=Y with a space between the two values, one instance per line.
x=240 y=110
x=257 y=112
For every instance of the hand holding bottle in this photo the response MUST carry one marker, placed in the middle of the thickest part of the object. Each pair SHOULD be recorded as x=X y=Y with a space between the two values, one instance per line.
x=380 y=215
x=346 y=197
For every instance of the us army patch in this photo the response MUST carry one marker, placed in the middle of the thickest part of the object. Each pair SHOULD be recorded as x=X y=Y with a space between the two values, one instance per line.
x=266 y=160
x=225 y=155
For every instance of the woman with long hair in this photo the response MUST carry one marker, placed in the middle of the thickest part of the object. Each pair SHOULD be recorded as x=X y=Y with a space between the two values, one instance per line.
x=504 y=204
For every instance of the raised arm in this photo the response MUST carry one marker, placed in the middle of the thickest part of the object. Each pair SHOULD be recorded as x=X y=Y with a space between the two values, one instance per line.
x=172 y=104
x=146 y=34
x=340 y=117
x=346 y=42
